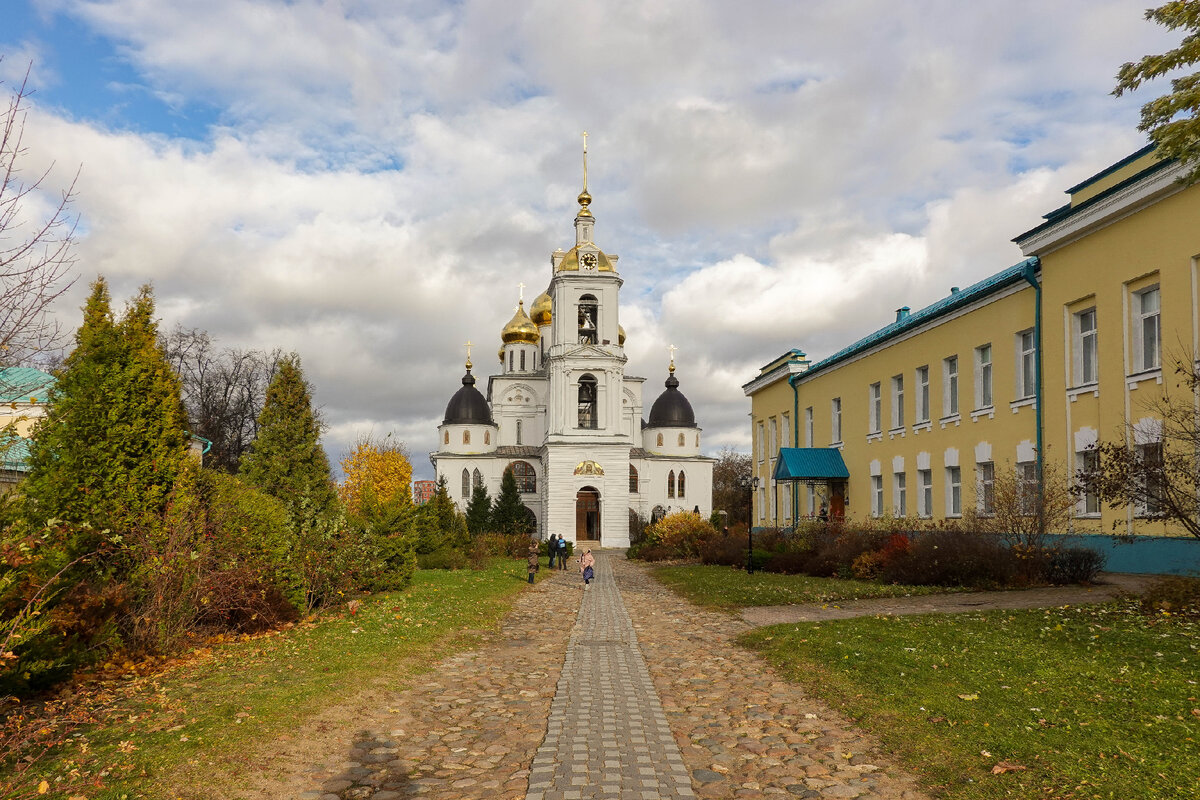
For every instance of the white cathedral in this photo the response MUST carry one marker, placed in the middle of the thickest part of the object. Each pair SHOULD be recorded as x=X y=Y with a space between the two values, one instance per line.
x=566 y=419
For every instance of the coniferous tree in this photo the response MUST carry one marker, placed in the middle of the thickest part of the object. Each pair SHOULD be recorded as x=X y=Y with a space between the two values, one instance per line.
x=479 y=511
x=115 y=434
x=287 y=460
x=509 y=514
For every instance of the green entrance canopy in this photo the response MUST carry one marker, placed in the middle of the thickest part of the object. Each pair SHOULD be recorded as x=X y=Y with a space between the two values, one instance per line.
x=810 y=464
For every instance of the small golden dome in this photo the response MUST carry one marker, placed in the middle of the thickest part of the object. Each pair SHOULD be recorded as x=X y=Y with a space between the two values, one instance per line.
x=541 y=312
x=570 y=261
x=520 y=328
x=500 y=353
x=585 y=200
x=621 y=336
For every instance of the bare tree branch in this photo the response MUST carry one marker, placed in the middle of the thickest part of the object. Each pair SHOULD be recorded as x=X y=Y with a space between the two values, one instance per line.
x=36 y=251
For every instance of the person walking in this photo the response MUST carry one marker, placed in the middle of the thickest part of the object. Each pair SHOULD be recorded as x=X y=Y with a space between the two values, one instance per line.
x=533 y=560
x=587 y=564
x=562 y=552
x=552 y=551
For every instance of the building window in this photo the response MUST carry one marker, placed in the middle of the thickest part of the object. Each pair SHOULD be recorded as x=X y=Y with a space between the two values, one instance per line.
x=898 y=401
x=983 y=376
x=875 y=409
x=785 y=431
x=877 y=495
x=953 y=491
x=900 y=494
x=679 y=487
x=986 y=480
x=1027 y=487
x=922 y=395
x=466 y=437
x=1085 y=347
x=525 y=476
x=477 y=478
x=1026 y=362
x=633 y=479
x=671 y=483
x=835 y=413
x=518 y=431
x=762 y=503
x=682 y=441
x=522 y=361
x=1147 y=334
x=1150 y=464
x=510 y=360
x=761 y=439
x=697 y=440
x=659 y=440
x=587 y=402
x=466 y=484
x=772 y=440
x=1089 y=464
x=950 y=386
x=925 y=498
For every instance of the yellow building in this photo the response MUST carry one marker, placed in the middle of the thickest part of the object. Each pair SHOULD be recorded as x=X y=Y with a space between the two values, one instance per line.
x=23 y=393
x=925 y=411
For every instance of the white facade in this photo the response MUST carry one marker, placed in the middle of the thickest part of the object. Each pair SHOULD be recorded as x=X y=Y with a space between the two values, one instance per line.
x=564 y=414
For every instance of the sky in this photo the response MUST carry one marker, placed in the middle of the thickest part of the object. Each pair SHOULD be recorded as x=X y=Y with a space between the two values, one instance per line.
x=366 y=182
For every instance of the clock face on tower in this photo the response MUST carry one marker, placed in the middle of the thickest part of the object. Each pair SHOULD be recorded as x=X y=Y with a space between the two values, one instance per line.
x=588 y=260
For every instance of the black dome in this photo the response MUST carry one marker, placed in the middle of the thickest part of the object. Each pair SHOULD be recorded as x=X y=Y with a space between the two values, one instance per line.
x=467 y=406
x=672 y=409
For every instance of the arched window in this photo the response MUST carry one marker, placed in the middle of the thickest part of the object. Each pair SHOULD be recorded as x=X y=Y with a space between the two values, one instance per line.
x=525 y=476
x=633 y=479
x=447 y=439
x=466 y=437
x=510 y=360
x=466 y=484
x=660 y=440
x=477 y=478
x=588 y=319
x=522 y=360
x=679 y=486
x=671 y=483
x=697 y=440
x=487 y=437
x=587 y=402
x=681 y=443
x=518 y=431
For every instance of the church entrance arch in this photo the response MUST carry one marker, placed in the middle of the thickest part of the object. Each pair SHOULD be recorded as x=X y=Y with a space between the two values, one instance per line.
x=587 y=515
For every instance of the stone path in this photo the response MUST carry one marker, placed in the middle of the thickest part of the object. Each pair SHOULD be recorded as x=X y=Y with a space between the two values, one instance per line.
x=638 y=695
x=607 y=736
x=1110 y=587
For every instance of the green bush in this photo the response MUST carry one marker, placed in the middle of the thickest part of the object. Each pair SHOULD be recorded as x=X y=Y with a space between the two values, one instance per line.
x=444 y=558
x=1074 y=565
x=1172 y=594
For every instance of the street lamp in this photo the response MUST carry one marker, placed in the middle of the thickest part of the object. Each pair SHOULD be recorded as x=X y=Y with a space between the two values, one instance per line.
x=752 y=485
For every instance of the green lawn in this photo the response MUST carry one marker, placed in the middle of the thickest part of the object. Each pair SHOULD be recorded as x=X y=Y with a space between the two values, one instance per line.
x=220 y=706
x=728 y=588
x=1088 y=702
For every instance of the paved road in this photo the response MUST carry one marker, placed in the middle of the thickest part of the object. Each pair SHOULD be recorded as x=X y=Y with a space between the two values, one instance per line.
x=607 y=736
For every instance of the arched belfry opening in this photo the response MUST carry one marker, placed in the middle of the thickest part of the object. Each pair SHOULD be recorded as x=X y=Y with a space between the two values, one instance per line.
x=589 y=310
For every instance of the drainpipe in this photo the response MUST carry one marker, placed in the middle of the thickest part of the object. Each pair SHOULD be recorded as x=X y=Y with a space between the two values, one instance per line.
x=796 y=440
x=1030 y=275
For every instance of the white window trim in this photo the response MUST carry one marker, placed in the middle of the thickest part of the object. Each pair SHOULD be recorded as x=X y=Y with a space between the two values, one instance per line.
x=1077 y=349
x=1024 y=392
x=951 y=410
x=1138 y=318
x=921 y=412
x=981 y=406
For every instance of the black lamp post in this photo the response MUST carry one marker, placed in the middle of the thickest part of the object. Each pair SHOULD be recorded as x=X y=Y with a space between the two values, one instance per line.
x=752 y=485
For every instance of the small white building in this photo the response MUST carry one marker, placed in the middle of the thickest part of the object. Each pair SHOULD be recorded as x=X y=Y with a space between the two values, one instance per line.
x=564 y=416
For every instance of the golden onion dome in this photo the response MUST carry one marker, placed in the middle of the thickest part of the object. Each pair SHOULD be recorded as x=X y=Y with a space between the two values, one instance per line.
x=520 y=328
x=570 y=261
x=620 y=336
x=500 y=353
x=541 y=312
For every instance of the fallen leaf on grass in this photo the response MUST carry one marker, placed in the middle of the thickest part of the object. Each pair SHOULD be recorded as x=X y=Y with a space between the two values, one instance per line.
x=968 y=697
x=43 y=787
x=1006 y=766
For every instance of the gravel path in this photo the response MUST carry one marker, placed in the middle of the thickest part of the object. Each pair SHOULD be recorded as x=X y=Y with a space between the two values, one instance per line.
x=1110 y=587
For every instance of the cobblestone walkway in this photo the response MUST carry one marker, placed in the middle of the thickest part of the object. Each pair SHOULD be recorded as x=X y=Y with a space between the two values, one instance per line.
x=607 y=736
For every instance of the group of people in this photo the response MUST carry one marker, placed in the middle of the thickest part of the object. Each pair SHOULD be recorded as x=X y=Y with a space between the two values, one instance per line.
x=557 y=547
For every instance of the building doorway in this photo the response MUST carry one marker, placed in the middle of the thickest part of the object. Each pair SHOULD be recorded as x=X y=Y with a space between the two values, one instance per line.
x=587 y=515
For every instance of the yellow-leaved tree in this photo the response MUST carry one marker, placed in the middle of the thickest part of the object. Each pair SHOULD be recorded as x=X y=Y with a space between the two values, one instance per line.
x=377 y=494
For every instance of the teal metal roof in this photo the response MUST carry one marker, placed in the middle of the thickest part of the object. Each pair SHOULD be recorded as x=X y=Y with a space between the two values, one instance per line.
x=23 y=384
x=810 y=464
x=1001 y=280
x=14 y=454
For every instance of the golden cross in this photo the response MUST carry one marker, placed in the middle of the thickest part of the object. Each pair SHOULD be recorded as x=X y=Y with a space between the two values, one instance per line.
x=671 y=349
x=521 y=297
x=585 y=135
x=468 y=346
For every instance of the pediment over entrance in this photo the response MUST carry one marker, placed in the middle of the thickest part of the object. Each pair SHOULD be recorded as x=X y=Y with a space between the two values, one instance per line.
x=588 y=468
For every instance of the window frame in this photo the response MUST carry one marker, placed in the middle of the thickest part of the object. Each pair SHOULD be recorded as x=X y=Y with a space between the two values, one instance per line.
x=985 y=488
x=525 y=475
x=835 y=413
x=925 y=493
x=875 y=407
x=900 y=494
x=897 y=401
x=984 y=394
x=954 y=492
x=950 y=386
x=876 y=495
x=1086 y=350
x=1026 y=364
x=1140 y=317
x=589 y=418
x=921 y=381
